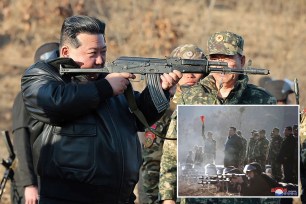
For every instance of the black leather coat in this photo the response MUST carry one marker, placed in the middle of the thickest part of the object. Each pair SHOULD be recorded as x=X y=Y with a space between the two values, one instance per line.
x=89 y=149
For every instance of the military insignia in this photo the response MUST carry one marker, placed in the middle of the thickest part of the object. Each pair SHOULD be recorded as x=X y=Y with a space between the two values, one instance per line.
x=189 y=54
x=219 y=38
x=149 y=139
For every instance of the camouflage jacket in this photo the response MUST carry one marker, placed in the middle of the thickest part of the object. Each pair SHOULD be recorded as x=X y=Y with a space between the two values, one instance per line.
x=251 y=145
x=275 y=145
x=204 y=93
x=261 y=148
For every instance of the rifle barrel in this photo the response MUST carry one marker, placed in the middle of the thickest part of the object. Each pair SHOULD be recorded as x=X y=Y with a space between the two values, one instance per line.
x=240 y=71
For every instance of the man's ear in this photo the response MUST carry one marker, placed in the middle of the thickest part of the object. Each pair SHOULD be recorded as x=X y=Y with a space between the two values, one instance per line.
x=242 y=61
x=64 y=52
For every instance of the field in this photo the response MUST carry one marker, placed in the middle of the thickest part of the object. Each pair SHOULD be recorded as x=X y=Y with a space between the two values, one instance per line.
x=274 y=33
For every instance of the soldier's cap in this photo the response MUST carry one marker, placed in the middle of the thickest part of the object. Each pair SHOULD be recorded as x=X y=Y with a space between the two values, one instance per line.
x=253 y=131
x=295 y=127
x=188 y=51
x=225 y=43
x=262 y=131
x=47 y=51
x=277 y=129
x=280 y=89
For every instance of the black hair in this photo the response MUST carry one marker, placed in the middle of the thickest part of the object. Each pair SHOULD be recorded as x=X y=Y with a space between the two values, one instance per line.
x=74 y=25
x=233 y=128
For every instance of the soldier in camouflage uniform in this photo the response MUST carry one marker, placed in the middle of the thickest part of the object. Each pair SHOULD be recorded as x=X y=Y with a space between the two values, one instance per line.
x=152 y=147
x=275 y=145
x=252 y=141
x=243 y=151
x=213 y=89
x=261 y=149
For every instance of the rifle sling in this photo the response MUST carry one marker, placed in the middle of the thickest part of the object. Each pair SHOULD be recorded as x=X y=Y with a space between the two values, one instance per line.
x=129 y=95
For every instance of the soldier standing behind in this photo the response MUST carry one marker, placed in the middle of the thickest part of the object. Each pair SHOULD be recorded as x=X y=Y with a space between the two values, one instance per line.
x=274 y=148
x=287 y=156
x=209 y=149
x=244 y=149
x=153 y=145
x=216 y=89
x=261 y=149
x=252 y=141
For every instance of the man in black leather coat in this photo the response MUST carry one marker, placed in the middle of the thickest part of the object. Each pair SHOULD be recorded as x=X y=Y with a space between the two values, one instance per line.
x=89 y=150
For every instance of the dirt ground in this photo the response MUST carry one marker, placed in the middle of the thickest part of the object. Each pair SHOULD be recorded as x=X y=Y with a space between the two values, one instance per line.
x=274 y=33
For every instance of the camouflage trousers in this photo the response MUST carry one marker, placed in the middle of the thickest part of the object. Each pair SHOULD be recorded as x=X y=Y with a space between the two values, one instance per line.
x=150 y=171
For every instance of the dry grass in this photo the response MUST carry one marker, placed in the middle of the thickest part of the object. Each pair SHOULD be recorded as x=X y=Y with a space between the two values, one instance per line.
x=274 y=32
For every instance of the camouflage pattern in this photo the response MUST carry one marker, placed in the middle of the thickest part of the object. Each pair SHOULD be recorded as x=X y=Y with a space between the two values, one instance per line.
x=206 y=93
x=188 y=51
x=260 y=151
x=225 y=43
x=252 y=141
x=152 y=156
x=275 y=145
x=243 y=93
x=150 y=171
x=152 y=152
x=243 y=151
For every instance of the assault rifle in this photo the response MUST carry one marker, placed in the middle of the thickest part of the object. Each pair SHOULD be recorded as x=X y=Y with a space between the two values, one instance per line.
x=153 y=67
x=219 y=178
x=223 y=182
x=9 y=172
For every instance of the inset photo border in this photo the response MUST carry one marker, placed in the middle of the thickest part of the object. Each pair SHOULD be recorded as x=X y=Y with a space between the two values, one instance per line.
x=238 y=151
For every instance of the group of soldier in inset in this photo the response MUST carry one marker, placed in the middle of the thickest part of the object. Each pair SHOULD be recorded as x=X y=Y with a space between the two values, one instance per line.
x=254 y=168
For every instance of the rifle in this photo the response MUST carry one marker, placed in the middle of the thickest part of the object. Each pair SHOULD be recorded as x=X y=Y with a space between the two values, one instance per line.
x=153 y=67
x=219 y=177
x=9 y=172
x=223 y=181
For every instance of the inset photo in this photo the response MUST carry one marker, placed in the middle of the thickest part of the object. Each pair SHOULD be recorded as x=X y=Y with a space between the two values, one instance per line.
x=238 y=151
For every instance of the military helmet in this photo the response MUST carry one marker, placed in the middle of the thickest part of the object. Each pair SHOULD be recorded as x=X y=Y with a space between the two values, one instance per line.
x=47 y=51
x=280 y=89
x=228 y=169
x=225 y=43
x=210 y=169
x=254 y=166
x=188 y=51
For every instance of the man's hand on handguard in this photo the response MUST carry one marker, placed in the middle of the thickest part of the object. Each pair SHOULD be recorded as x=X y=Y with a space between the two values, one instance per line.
x=119 y=81
x=169 y=80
